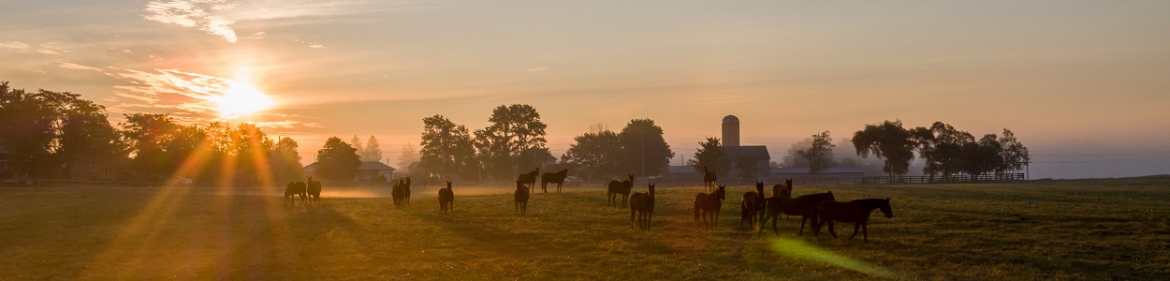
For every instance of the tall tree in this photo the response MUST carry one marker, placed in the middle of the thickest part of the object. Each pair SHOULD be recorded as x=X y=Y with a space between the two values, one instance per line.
x=515 y=132
x=372 y=151
x=338 y=160
x=149 y=136
x=595 y=155
x=357 y=144
x=712 y=156
x=407 y=157
x=941 y=148
x=820 y=155
x=287 y=161
x=86 y=134
x=982 y=156
x=447 y=149
x=45 y=131
x=644 y=150
x=1015 y=155
x=889 y=141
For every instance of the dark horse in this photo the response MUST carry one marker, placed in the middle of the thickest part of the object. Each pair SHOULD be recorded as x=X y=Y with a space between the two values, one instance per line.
x=314 y=190
x=619 y=187
x=446 y=199
x=529 y=178
x=708 y=179
x=557 y=178
x=856 y=212
x=292 y=190
x=804 y=206
x=710 y=204
x=400 y=192
x=521 y=198
x=643 y=205
x=751 y=204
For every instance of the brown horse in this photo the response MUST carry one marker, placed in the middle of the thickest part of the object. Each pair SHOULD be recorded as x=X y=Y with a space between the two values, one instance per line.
x=708 y=179
x=292 y=190
x=643 y=205
x=400 y=192
x=529 y=178
x=314 y=190
x=619 y=187
x=804 y=206
x=557 y=178
x=446 y=199
x=856 y=212
x=750 y=205
x=710 y=204
x=521 y=199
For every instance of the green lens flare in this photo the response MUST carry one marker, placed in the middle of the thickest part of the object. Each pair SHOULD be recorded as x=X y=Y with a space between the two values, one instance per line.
x=801 y=250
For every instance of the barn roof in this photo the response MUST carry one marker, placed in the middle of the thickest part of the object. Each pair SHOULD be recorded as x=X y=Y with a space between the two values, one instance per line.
x=756 y=152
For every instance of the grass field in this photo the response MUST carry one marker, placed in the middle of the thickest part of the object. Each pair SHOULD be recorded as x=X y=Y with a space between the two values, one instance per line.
x=1054 y=230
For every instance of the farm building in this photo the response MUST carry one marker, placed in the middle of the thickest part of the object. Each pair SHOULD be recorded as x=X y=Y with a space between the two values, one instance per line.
x=368 y=170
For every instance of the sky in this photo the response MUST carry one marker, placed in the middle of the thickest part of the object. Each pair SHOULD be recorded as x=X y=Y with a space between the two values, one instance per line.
x=1083 y=84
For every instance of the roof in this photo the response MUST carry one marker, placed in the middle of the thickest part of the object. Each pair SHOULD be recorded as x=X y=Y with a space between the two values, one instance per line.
x=730 y=119
x=366 y=166
x=688 y=169
x=756 y=152
x=830 y=170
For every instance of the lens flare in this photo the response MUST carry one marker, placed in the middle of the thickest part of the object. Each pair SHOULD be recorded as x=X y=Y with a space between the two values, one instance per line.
x=801 y=250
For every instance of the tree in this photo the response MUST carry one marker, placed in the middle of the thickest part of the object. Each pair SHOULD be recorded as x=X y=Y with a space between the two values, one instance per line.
x=595 y=155
x=887 y=140
x=982 y=156
x=287 y=161
x=643 y=147
x=515 y=131
x=86 y=133
x=711 y=155
x=793 y=158
x=357 y=144
x=46 y=131
x=749 y=168
x=407 y=158
x=338 y=160
x=372 y=151
x=149 y=136
x=820 y=155
x=447 y=149
x=1014 y=154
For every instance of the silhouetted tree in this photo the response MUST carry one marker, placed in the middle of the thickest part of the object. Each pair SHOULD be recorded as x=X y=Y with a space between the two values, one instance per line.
x=372 y=151
x=941 y=148
x=595 y=155
x=287 y=161
x=514 y=130
x=748 y=167
x=1014 y=154
x=982 y=156
x=338 y=160
x=820 y=155
x=711 y=155
x=407 y=158
x=643 y=136
x=889 y=141
x=447 y=149
x=46 y=131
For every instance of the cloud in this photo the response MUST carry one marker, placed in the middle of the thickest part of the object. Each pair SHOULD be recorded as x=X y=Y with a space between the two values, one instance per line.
x=194 y=13
x=13 y=45
x=317 y=46
x=68 y=65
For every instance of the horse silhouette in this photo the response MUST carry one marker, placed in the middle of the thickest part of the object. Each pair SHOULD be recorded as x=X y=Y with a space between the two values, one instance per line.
x=619 y=187
x=446 y=199
x=751 y=204
x=314 y=190
x=783 y=190
x=406 y=190
x=642 y=204
x=521 y=199
x=292 y=190
x=708 y=179
x=557 y=178
x=804 y=206
x=710 y=204
x=529 y=178
x=400 y=192
x=856 y=212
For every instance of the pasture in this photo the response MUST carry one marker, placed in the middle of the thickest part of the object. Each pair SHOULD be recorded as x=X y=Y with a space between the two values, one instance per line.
x=1054 y=230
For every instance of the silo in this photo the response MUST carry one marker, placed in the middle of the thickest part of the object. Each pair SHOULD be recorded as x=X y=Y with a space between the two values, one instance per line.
x=730 y=130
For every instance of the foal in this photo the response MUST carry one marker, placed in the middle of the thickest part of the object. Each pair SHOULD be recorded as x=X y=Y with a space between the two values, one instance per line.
x=710 y=204
x=446 y=199
x=643 y=205
x=619 y=187
x=856 y=212
x=750 y=205
x=521 y=199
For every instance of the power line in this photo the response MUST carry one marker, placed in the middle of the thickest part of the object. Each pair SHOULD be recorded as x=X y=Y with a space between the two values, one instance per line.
x=1096 y=161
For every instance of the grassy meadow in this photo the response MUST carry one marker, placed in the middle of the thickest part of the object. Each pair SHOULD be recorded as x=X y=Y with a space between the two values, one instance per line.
x=1049 y=230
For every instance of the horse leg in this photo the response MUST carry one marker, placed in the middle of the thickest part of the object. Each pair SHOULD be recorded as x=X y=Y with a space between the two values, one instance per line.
x=831 y=230
x=632 y=218
x=649 y=215
x=802 y=220
x=864 y=232
x=855 y=226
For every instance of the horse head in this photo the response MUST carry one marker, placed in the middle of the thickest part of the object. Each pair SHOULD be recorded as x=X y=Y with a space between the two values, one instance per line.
x=722 y=192
x=886 y=208
x=651 y=192
x=448 y=185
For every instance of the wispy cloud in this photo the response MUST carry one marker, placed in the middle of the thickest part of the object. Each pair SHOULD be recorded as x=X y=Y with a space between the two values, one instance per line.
x=13 y=45
x=194 y=13
x=68 y=65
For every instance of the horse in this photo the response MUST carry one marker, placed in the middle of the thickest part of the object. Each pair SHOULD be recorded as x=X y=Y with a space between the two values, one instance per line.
x=642 y=204
x=856 y=212
x=406 y=190
x=708 y=179
x=399 y=191
x=446 y=199
x=529 y=178
x=619 y=187
x=783 y=190
x=710 y=204
x=558 y=178
x=292 y=190
x=804 y=206
x=314 y=190
x=749 y=206
x=521 y=199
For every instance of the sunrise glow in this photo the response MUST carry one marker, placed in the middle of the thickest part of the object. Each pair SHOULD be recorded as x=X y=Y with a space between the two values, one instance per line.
x=242 y=99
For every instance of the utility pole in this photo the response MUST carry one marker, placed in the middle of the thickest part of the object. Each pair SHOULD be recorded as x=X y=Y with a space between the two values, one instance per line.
x=644 y=157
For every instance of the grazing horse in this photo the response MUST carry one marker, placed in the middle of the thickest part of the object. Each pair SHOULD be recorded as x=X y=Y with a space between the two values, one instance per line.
x=557 y=178
x=521 y=199
x=529 y=178
x=750 y=205
x=446 y=199
x=710 y=204
x=804 y=206
x=643 y=205
x=292 y=190
x=314 y=190
x=708 y=179
x=619 y=187
x=856 y=212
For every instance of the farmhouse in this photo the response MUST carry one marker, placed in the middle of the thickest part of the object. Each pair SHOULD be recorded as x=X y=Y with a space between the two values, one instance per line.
x=368 y=170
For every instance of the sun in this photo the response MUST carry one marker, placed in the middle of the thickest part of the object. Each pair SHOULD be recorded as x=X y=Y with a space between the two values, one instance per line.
x=242 y=99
